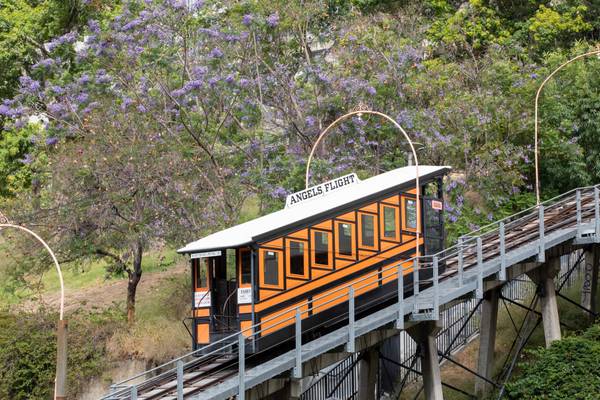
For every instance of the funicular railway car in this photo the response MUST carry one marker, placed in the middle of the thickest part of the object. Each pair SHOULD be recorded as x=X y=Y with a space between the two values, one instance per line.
x=327 y=236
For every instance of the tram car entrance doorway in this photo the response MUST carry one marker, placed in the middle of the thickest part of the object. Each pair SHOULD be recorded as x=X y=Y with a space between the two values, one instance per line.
x=251 y=277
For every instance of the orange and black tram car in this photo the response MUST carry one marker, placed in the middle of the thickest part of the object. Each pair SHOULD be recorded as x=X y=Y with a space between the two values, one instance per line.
x=326 y=237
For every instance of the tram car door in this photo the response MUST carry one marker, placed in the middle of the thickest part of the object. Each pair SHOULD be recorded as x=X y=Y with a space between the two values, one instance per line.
x=224 y=301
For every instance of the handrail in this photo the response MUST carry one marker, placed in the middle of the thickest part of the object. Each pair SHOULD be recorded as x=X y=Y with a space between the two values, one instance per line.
x=342 y=291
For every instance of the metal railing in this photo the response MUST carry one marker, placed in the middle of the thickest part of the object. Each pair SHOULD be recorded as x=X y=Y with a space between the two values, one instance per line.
x=472 y=251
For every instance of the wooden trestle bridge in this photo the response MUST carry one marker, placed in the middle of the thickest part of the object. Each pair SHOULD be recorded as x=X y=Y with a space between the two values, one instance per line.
x=529 y=242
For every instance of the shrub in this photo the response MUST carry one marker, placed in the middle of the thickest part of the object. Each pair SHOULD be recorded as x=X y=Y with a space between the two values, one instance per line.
x=569 y=369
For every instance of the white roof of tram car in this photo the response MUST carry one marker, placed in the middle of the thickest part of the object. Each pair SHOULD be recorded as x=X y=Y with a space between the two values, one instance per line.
x=245 y=233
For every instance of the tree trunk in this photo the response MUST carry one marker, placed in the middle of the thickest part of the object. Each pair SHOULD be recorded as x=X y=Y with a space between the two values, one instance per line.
x=134 y=278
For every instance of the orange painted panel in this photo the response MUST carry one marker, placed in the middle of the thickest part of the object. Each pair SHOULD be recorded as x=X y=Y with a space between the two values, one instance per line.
x=245 y=308
x=392 y=200
x=281 y=319
x=370 y=208
x=246 y=328
x=202 y=334
x=302 y=234
x=265 y=294
x=317 y=273
x=362 y=254
x=387 y=245
x=327 y=225
x=277 y=243
x=323 y=302
x=342 y=263
x=202 y=312
x=351 y=216
x=292 y=283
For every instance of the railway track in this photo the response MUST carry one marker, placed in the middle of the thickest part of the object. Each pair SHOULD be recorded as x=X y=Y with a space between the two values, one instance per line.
x=198 y=375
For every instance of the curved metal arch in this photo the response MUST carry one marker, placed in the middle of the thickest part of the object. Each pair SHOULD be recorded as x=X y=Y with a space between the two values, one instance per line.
x=412 y=148
x=61 y=346
x=49 y=250
x=537 y=95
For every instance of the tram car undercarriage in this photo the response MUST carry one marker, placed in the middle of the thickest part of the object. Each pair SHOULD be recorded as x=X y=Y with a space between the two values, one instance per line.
x=253 y=276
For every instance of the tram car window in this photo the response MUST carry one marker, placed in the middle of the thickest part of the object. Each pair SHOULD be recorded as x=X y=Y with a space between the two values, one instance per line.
x=251 y=277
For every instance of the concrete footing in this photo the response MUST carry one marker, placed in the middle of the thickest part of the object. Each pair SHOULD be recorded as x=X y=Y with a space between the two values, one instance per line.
x=544 y=276
x=424 y=334
x=589 y=286
x=487 y=341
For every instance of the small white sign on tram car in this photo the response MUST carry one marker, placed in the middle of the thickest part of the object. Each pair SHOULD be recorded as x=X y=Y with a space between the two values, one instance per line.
x=321 y=189
x=202 y=299
x=244 y=295
x=205 y=254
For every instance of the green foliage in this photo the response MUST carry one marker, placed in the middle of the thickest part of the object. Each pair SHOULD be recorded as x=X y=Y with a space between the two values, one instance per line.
x=569 y=369
x=15 y=171
x=550 y=27
x=473 y=27
x=28 y=352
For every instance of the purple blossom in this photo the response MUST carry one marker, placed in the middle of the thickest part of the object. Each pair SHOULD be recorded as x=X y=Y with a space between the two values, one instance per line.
x=127 y=101
x=55 y=108
x=195 y=84
x=28 y=159
x=94 y=26
x=244 y=82
x=199 y=71
x=216 y=53
x=310 y=120
x=178 y=92
x=45 y=63
x=5 y=110
x=141 y=108
x=247 y=19
x=84 y=79
x=533 y=75
x=131 y=25
x=51 y=141
x=229 y=79
x=81 y=98
x=102 y=77
x=371 y=90
x=279 y=192
x=29 y=85
x=273 y=20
